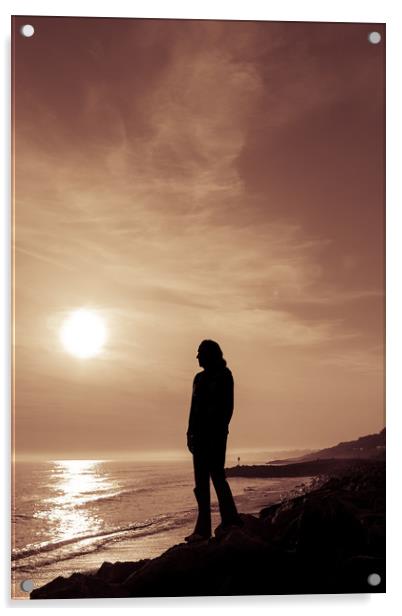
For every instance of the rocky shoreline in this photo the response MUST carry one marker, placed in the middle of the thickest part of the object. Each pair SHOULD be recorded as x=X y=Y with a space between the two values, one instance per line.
x=297 y=469
x=328 y=540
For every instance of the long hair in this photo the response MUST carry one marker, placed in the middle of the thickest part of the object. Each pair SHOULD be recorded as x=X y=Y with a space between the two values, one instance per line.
x=213 y=353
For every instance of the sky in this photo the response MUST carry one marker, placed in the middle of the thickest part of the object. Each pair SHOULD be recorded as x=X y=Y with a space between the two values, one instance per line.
x=189 y=180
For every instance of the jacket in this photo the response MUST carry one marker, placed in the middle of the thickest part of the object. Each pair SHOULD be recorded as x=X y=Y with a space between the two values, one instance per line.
x=212 y=403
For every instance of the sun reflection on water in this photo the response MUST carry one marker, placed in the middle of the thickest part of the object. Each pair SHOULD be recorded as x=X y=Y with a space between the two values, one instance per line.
x=74 y=483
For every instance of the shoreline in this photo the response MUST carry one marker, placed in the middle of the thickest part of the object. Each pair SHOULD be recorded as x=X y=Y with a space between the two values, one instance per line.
x=251 y=494
x=330 y=539
x=288 y=468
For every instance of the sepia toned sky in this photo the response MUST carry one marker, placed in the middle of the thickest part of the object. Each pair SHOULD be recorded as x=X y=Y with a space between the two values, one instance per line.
x=191 y=180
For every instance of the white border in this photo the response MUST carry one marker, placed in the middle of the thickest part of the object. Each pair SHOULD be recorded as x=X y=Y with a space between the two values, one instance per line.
x=286 y=10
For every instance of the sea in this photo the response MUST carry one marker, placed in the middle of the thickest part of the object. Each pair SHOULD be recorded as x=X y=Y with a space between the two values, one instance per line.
x=72 y=515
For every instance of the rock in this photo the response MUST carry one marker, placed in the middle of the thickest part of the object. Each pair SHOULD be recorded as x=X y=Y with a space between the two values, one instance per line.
x=77 y=586
x=250 y=526
x=330 y=527
x=118 y=571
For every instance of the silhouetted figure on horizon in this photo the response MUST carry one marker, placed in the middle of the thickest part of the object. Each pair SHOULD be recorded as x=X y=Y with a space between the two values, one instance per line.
x=208 y=428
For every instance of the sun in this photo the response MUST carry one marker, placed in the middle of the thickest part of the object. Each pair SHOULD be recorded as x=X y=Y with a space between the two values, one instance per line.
x=83 y=333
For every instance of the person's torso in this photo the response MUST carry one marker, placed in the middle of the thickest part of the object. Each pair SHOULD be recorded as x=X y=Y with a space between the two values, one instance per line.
x=210 y=400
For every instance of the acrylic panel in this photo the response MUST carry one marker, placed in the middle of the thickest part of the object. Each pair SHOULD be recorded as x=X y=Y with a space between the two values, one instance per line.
x=198 y=244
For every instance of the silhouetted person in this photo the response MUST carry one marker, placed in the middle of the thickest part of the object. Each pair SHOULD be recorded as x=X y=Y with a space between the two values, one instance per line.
x=208 y=428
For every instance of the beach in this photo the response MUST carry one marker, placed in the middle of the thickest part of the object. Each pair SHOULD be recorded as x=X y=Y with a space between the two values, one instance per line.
x=72 y=515
x=328 y=537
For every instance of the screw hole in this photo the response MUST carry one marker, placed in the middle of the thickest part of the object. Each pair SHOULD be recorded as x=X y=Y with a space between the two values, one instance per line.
x=27 y=585
x=27 y=30
x=374 y=38
x=374 y=579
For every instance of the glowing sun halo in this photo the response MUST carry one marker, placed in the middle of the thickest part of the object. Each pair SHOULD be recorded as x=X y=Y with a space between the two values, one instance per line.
x=83 y=333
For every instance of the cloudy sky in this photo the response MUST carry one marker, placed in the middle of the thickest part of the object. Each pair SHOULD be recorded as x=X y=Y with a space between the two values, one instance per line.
x=189 y=180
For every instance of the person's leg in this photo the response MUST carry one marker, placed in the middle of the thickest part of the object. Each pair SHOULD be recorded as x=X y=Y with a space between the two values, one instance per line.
x=227 y=506
x=202 y=493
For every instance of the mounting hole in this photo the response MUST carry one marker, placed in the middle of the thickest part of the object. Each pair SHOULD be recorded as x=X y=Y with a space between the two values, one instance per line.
x=374 y=579
x=27 y=585
x=27 y=30
x=374 y=38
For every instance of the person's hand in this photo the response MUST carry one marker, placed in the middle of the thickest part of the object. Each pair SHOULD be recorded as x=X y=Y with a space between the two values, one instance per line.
x=190 y=443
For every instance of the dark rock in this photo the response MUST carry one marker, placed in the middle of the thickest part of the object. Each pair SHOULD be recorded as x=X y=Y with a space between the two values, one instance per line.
x=119 y=571
x=268 y=512
x=250 y=526
x=77 y=586
x=328 y=525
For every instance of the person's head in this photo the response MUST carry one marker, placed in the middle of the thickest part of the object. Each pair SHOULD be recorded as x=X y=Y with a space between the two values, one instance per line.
x=210 y=355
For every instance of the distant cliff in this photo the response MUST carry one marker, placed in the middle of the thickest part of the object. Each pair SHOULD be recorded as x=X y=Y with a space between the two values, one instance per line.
x=367 y=447
x=322 y=462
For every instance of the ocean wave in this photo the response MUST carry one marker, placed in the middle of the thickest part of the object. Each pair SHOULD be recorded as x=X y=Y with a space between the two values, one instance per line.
x=47 y=546
x=21 y=516
x=87 y=498
x=46 y=553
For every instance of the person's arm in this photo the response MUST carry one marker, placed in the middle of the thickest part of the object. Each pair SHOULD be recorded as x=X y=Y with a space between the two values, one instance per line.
x=228 y=398
x=191 y=421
